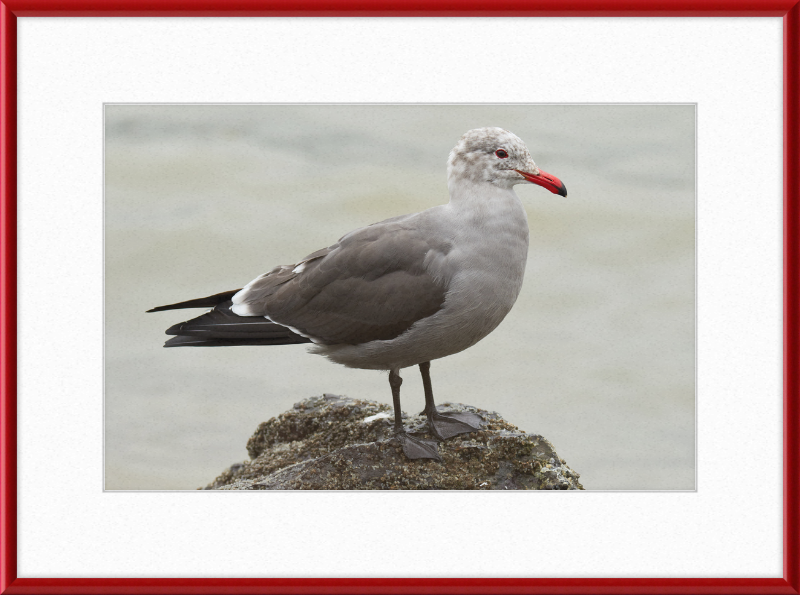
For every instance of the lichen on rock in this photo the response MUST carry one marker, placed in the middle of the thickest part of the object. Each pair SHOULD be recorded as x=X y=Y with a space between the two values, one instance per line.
x=337 y=443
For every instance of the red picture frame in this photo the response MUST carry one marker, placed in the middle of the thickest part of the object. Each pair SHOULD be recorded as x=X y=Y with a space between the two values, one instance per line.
x=789 y=10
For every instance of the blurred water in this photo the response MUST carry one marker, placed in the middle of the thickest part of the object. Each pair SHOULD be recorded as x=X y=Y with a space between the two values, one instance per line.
x=597 y=355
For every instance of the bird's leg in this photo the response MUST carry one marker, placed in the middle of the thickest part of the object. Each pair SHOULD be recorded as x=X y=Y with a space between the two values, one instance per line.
x=414 y=448
x=395 y=381
x=444 y=426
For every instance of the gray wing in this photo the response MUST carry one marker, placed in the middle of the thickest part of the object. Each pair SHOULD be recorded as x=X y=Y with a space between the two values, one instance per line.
x=371 y=285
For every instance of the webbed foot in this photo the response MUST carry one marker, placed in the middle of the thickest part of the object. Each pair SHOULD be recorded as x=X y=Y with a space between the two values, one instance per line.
x=447 y=425
x=416 y=448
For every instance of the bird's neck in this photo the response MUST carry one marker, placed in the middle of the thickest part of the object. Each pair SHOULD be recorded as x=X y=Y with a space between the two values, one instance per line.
x=486 y=205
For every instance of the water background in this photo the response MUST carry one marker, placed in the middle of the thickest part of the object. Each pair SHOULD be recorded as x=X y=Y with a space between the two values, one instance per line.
x=597 y=355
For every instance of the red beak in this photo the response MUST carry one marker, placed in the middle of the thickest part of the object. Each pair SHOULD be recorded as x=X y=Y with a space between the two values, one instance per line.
x=545 y=180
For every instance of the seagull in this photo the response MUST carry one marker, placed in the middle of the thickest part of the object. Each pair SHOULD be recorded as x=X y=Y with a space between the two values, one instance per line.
x=401 y=292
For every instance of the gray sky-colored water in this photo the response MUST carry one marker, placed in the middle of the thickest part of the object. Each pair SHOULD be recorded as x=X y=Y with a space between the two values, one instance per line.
x=597 y=355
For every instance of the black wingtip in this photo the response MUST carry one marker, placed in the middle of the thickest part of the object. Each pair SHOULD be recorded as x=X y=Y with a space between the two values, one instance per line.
x=205 y=302
x=160 y=308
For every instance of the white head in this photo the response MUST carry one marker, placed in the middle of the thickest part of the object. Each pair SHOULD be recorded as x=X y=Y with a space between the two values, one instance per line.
x=499 y=157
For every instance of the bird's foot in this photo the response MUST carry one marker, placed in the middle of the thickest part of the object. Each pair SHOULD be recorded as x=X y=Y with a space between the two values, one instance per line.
x=444 y=426
x=416 y=448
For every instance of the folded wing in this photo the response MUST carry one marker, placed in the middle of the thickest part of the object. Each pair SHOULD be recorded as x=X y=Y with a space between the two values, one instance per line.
x=371 y=285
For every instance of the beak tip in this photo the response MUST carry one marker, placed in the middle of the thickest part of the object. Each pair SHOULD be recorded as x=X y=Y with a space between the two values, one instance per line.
x=550 y=182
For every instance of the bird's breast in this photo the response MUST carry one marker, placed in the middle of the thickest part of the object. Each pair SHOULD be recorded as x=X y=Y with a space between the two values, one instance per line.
x=490 y=244
x=483 y=271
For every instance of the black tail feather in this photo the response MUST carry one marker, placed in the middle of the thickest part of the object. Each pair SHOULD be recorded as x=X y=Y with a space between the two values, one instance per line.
x=221 y=327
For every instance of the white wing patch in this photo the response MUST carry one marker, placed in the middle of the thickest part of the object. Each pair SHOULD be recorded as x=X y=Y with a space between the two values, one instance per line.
x=242 y=310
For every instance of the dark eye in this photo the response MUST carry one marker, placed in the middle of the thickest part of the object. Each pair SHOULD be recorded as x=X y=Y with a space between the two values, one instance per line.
x=501 y=153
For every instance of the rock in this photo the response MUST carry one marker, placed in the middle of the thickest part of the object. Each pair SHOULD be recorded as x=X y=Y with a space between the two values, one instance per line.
x=337 y=443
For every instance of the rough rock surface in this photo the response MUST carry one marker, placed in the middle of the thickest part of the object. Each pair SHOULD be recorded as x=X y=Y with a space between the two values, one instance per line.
x=337 y=443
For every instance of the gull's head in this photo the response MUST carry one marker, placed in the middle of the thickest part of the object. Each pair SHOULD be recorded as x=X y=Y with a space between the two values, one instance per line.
x=499 y=157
